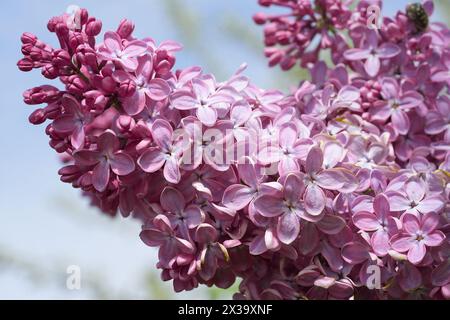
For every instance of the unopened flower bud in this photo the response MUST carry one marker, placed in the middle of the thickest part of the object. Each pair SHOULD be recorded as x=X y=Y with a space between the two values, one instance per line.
x=76 y=84
x=28 y=38
x=62 y=30
x=61 y=58
x=75 y=40
x=93 y=27
x=260 y=18
x=25 y=64
x=287 y=62
x=125 y=123
x=125 y=29
x=127 y=88
x=51 y=25
x=50 y=72
x=37 y=117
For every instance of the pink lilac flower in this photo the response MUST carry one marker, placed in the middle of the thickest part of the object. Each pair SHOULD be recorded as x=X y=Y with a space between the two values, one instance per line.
x=211 y=250
x=205 y=98
x=284 y=204
x=167 y=152
x=239 y=196
x=396 y=105
x=416 y=199
x=328 y=101
x=125 y=55
x=438 y=121
x=161 y=234
x=108 y=157
x=209 y=148
x=418 y=234
x=73 y=122
x=317 y=179
x=156 y=89
x=380 y=222
x=182 y=216
x=288 y=151
x=443 y=73
x=372 y=53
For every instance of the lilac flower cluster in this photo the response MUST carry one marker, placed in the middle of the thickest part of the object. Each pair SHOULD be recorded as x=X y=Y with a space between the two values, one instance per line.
x=338 y=190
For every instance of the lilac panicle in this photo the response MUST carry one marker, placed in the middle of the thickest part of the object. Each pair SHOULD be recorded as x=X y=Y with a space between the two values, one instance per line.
x=299 y=195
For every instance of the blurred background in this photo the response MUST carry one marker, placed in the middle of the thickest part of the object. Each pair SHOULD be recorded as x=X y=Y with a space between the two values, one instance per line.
x=45 y=225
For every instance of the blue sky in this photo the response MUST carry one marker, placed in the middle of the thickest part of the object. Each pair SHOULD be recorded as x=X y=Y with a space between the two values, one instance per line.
x=36 y=210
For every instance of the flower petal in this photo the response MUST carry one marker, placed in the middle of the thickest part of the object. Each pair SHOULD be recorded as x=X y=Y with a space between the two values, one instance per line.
x=372 y=65
x=288 y=135
x=388 y=50
x=258 y=245
x=309 y=238
x=411 y=223
x=237 y=196
x=162 y=134
x=100 y=176
x=401 y=242
x=333 y=153
x=183 y=100
x=430 y=204
x=193 y=215
x=122 y=164
x=417 y=252
x=355 y=253
x=207 y=115
x=330 y=179
x=206 y=234
x=134 y=48
x=172 y=200
x=366 y=221
x=293 y=187
x=152 y=237
x=268 y=206
x=356 y=54
x=331 y=224
x=158 y=89
x=381 y=206
x=314 y=199
x=288 y=165
x=398 y=202
x=172 y=170
x=314 y=160
x=380 y=243
x=288 y=227
x=434 y=239
x=135 y=104
x=112 y=41
x=401 y=122
x=151 y=160
x=87 y=157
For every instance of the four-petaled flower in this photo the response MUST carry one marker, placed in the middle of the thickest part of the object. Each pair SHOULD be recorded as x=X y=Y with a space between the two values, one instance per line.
x=208 y=100
x=161 y=234
x=395 y=104
x=417 y=234
x=380 y=222
x=108 y=157
x=317 y=178
x=284 y=203
x=167 y=152
x=372 y=53
x=415 y=199
x=182 y=216
x=156 y=89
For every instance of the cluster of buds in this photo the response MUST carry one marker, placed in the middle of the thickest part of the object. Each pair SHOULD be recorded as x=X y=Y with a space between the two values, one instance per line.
x=338 y=190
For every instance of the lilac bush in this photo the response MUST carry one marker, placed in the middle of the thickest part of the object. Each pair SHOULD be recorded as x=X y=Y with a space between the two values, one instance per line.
x=336 y=190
